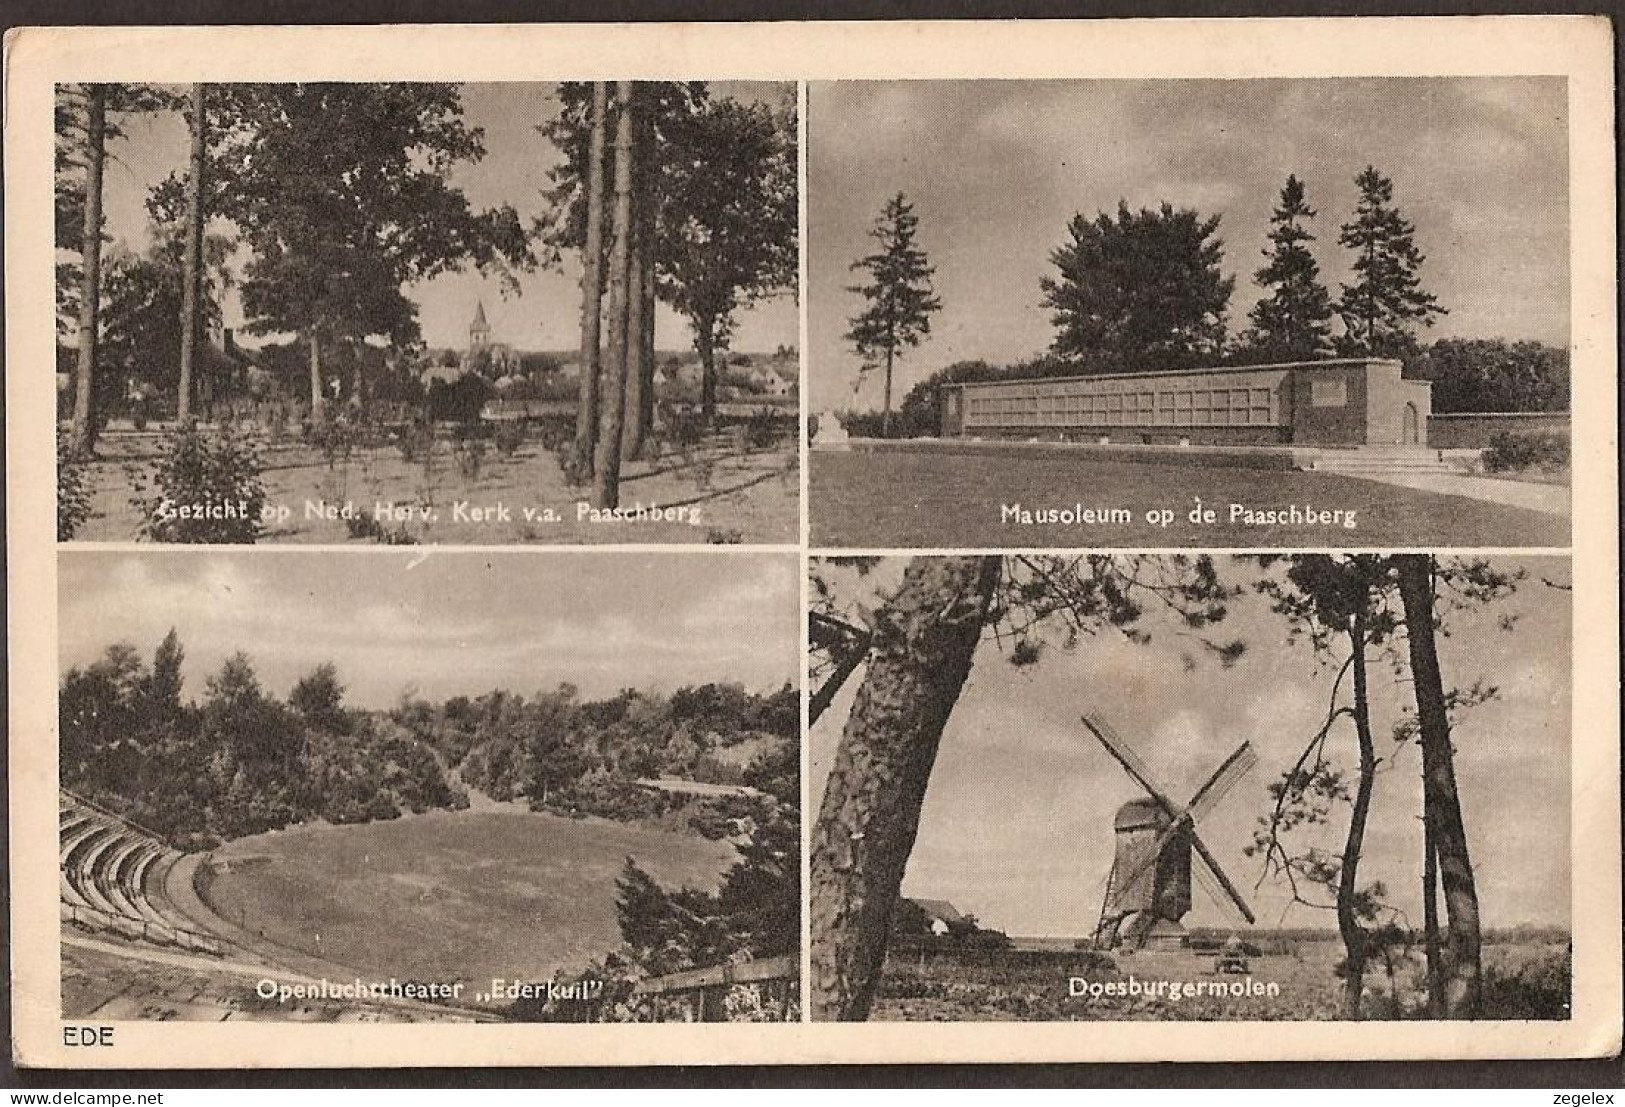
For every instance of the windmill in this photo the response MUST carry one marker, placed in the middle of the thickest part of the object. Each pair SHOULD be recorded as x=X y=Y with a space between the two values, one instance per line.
x=1149 y=888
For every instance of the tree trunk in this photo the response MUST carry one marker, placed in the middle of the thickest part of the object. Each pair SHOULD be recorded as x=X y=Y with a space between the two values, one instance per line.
x=1430 y=923
x=640 y=308
x=1441 y=804
x=646 y=414
x=607 y=459
x=923 y=647
x=84 y=415
x=705 y=343
x=885 y=419
x=632 y=437
x=316 y=398
x=1348 y=925
x=592 y=287
x=192 y=263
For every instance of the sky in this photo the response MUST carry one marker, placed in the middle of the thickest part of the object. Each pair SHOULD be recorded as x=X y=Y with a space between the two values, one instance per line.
x=1017 y=822
x=445 y=623
x=996 y=170
x=546 y=314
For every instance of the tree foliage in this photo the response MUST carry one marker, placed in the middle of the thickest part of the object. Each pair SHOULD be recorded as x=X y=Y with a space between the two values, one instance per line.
x=343 y=193
x=728 y=223
x=1140 y=291
x=239 y=760
x=898 y=295
x=141 y=338
x=71 y=161
x=1293 y=322
x=716 y=194
x=1471 y=375
x=1381 y=309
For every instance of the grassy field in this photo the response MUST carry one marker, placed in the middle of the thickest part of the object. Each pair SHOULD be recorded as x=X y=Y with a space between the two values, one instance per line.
x=1035 y=987
x=450 y=896
x=940 y=499
x=727 y=491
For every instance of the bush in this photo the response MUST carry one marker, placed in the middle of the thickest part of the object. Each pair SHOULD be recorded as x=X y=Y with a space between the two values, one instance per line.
x=685 y=429
x=209 y=490
x=459 y=401
x=277 y=422
x=72 y=490
x=553 y=431
x=470 y=454
x=335 y=438
x=1506 y=452
x=509 y=437
x=763 y=429
x=415 y=442
x=1537 y=989
x=864 y=424
x=712 y=825
x=363 y=525
x=596 y=794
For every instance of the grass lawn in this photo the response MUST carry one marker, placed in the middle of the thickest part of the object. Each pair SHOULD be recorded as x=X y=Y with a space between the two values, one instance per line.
x=729 y=493
x=941 y=499
x=451 y=896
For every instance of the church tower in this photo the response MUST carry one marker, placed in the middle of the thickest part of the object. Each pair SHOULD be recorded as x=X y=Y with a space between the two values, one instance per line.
x=479 y=331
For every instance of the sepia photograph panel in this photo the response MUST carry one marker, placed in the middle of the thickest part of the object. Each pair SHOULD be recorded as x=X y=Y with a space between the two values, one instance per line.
x=337 y=788
x=1291 y=787
x=1266 y=313
x=404 y=313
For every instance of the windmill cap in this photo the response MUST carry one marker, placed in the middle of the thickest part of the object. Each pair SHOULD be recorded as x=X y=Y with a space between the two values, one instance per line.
x=1137 y=814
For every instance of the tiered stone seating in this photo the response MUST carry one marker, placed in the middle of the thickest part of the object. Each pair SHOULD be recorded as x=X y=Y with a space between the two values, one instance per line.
x=112 y=878
x=90 y=882
x=139 y=877
x=108 y=877
x=97 y=834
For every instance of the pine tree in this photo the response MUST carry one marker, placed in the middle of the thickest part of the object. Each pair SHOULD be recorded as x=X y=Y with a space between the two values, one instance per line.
x=1387 y=298
x=1461 y=977
x=1139 y=292
x=899 y=295
x=871 y=808
x=1293 y=323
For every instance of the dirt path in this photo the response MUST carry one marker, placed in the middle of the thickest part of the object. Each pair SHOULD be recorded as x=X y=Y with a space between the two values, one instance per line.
x=1547 y=498
x=477 y=800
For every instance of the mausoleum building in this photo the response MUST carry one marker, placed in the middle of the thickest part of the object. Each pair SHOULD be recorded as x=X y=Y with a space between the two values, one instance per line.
x=1346 y=402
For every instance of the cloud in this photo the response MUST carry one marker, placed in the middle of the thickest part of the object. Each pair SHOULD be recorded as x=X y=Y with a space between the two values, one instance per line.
x=1016 y=824
x=451 y=623
x=995 y=170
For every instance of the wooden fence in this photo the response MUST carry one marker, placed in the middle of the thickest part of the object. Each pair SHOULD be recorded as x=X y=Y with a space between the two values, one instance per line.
x=704 y=992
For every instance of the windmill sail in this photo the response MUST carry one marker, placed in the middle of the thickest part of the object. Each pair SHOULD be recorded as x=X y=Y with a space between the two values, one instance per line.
x=1180 y=823
x=1207 y=797
x=1127 y=758
x=1221 y=782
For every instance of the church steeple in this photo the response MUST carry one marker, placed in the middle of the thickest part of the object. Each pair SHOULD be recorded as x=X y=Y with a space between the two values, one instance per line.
x=479 y=331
